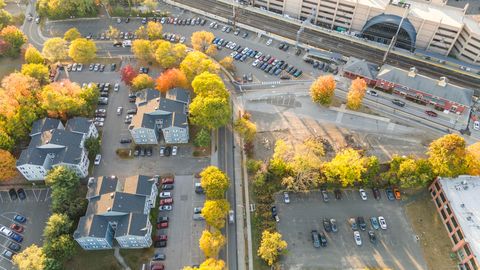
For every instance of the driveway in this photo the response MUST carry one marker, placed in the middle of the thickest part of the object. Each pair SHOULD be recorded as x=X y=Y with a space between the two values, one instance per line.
x=36 y=208
x=396 y=247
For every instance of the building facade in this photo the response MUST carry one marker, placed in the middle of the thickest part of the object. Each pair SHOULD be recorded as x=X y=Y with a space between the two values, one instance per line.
x=53 y=145
x=456 y=201
x=117 y=213
x=428 y=25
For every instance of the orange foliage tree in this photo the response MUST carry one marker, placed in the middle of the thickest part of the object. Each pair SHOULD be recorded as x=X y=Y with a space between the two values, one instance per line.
x=17 y=88
x=171 y=78
x=7 y=166
x=322 y=89
x=356 y=93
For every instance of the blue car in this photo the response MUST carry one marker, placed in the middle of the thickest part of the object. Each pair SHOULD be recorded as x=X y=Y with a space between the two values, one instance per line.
x=16 y=237
x=238 y=56
x=19 y=218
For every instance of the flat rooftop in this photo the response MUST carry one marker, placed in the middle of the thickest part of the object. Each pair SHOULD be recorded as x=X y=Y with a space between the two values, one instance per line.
x=462 y=193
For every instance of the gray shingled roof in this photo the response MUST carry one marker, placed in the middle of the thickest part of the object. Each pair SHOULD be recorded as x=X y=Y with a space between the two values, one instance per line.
x=78 y=124
x=44 y=124
x=179 y=94
x=146 y=95
x=427 y=85
x=132 y=224
x=361 y=68
x=102 y=185
x=170 y=105
x=138 y=184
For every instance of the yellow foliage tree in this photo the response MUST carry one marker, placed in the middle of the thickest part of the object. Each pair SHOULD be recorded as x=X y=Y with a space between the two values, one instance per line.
x=82 y=50
x=448 y=156
x=356 y=93
x=154 y=30
x=322 y=90
x=212 y=264
x=271 y=247
x=214 y=212
x=31 y=258
x=246 y=129
x=7 y=166
x=211 y=243
x=142 y=49
x=202 y=41
x=473 y=159
x=214 y=182
x=227 y=63
x=346 y=167
x=72 y=34
x=168 y=55
x=142 y=81
x=55 y=49
x=196 y=63
x=209 y=85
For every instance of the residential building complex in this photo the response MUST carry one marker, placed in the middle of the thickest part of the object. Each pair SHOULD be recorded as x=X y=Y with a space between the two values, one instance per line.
x=161 y=117
x=53 y=145
x=457 y=203
x=428 y=24
x=117 y=213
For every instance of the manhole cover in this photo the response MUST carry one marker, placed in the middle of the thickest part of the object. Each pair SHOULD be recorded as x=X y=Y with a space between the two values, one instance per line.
x=183 y=197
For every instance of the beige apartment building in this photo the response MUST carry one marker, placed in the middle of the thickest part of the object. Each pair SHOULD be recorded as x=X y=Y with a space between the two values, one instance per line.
x=428 y=25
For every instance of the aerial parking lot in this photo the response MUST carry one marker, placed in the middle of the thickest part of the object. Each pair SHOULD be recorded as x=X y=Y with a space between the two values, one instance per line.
x=396 y=246
x=35 y=207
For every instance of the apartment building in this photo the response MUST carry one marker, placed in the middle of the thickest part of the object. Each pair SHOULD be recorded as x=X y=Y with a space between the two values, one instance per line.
x=456 y=201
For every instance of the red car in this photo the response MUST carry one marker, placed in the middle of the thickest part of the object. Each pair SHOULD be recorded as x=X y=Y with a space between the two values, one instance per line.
x=162 y=237
x=167 y=201
x=16 y=227
x=396 y=192
x=157 y=266
x=162 y=225
x=431 y=113
x=167 y=180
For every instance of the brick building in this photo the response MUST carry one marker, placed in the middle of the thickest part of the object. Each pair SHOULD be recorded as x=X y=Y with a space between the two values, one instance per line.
x=356 y=68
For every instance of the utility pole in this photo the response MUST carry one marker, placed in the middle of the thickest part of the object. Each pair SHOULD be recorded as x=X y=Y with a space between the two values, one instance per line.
x=394 y=38
x=302 y=27
x=234 y=15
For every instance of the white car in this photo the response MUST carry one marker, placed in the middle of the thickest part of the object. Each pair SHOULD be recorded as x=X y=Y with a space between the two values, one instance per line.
x=119 y=110
x=233 y=54
x=165 y=208
x=182 y=40
x=79 y=67
x=100 y=111
x=165 y=194
x=5 y=231
x=372 y=93
x=116 y=87
x=269 y=41
x=174 y=150
x=162 y=151
x=255 y=63
x=286 y=197
x=363 y=194
x=231 y=217
x=476 y=125
x=98 y=158
x=383 y=223
x=258 y=55
x=98 y=124
x=358 y=239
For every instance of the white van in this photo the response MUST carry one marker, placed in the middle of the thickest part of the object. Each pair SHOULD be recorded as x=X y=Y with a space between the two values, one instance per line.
x=127 y=43
x=476 y=125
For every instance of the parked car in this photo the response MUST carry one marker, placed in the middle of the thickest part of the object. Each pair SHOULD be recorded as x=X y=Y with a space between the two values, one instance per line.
x=16 y=227
x=162 y=225
x=286 y=197
x=168 y=151
x=383 y=223
x=431 y=113
x=16 y=237
x=165 y=194
x=398 y=102
x=333 y=223
x=160 y=244
x=159 y=257
x=21 y=194
x=163 y=208
x=174 y=150
x=14 y=246
x=167 y=187
x=396 y=193
x=376 y=193
x=325 y=195
x=167 y=201
x=125 y=140
x=389 y=193
x=323 y=239
x=361 y=223
x=231 y=217
x=315 y=239
x=363 y=194
x=353 y=223
x=372 y=93
x=167 y=180
x=358 y=239
x=19 y=218
x=374 y=222
x=198 y=188
x=372 y=237
x=13 y=194
x=326 y=225
x=8 y=254
x=338 y=194
x=98 y=158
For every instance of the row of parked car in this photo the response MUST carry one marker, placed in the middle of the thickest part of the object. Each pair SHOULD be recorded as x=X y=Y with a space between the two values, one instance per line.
x=174 y=37
x=392 y=193
x=14 y=233
x=180 y=21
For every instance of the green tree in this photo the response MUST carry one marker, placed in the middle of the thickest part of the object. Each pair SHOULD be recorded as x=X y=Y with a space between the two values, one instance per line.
x=271 y=246
x=214 y=212
x=61 y=248
x=322 y=90
x=7 y=166
x=207 y=84
x=72 y=34
x=37 y=71
x=409 y=172
x=448 y=156
x=168 y=55
x=346 y=168
x=19 y=123
x=6 y=142
x=142 y=49
x=31 y=258
x=82 y=50
x=154 y=30
x=33 y=56
x=93 y=146
x=142 y=81
x=5 y=18
x=57 y=225
x=210 y=112
x=15 y=38
x=196 y=63
x=214 y=182
x=202 y=139
x=211 y=243
x=55 y=49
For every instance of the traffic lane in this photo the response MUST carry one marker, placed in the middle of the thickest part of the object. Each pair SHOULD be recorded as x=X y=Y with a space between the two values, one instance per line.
x=231 y=227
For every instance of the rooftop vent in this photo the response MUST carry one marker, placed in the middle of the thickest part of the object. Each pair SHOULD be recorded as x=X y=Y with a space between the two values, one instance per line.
x=464 y=182
x=469 y=218
x=443 y=81
x=109 y=209
x=462 y=205
x=413 y=72
x=91 y=180
x=112 y=195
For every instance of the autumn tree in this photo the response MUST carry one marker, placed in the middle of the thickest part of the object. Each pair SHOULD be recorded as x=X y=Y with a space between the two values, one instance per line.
x=150 y=4
x=37 y=71
x=31 y=258
x=214 y=212
x=210 y=112
x=169 y=55
x=62 y=248
x=171 y=78
x=57 y=225
x=18 y=123
x=18 y=90
x=207 y=84
x=196 y=63
x=214 y=182
x=212 y=264
x=448 y=156
x=271 y=246
x=473 y=159
x=322 y=90
x=142 y=49
x=6 y=142
x=5 y=18
x=55 y=49
x=279 y=162
x=202 y=41
x=15 y=38
x=203 y=138
x=154 y=30
x=227 y=63
x=113 y=32
x=245 y=128
x=356 y=93
x=346 y=168
x=72 y=34
x=142 y=81
x=141 y=32
x=127 y=74
x=33 y=56
x=82 y=50
x=7 y=166
x=211 y=242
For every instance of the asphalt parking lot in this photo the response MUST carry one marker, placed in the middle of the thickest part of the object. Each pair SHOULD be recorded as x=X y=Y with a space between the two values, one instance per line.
x=36 y=208
x=396 y=247
x=183 y=232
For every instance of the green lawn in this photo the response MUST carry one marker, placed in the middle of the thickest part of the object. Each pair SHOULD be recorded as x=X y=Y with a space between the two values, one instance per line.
x=9 y=65
x=101 y=259
x=136 y=257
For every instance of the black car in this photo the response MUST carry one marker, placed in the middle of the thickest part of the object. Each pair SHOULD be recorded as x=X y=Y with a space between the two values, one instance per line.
x=315 y=239
x=113 y=66
x=245 y=35
x=21 y=194
x=14 y=246
x=125 y=140
x=338 y=194
x=102 y=68
x=325 y=195
x=13 y=194
x=372 y=237
x=167 y=186
x=161 y=219
x=323 y=240
x=361 y=223
x=398 y=102
x=326 y=225
x=389 y=192
x=160 y=244
x=274 y=211
x=168 y=151
x=127 y=20
x=376 y=193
